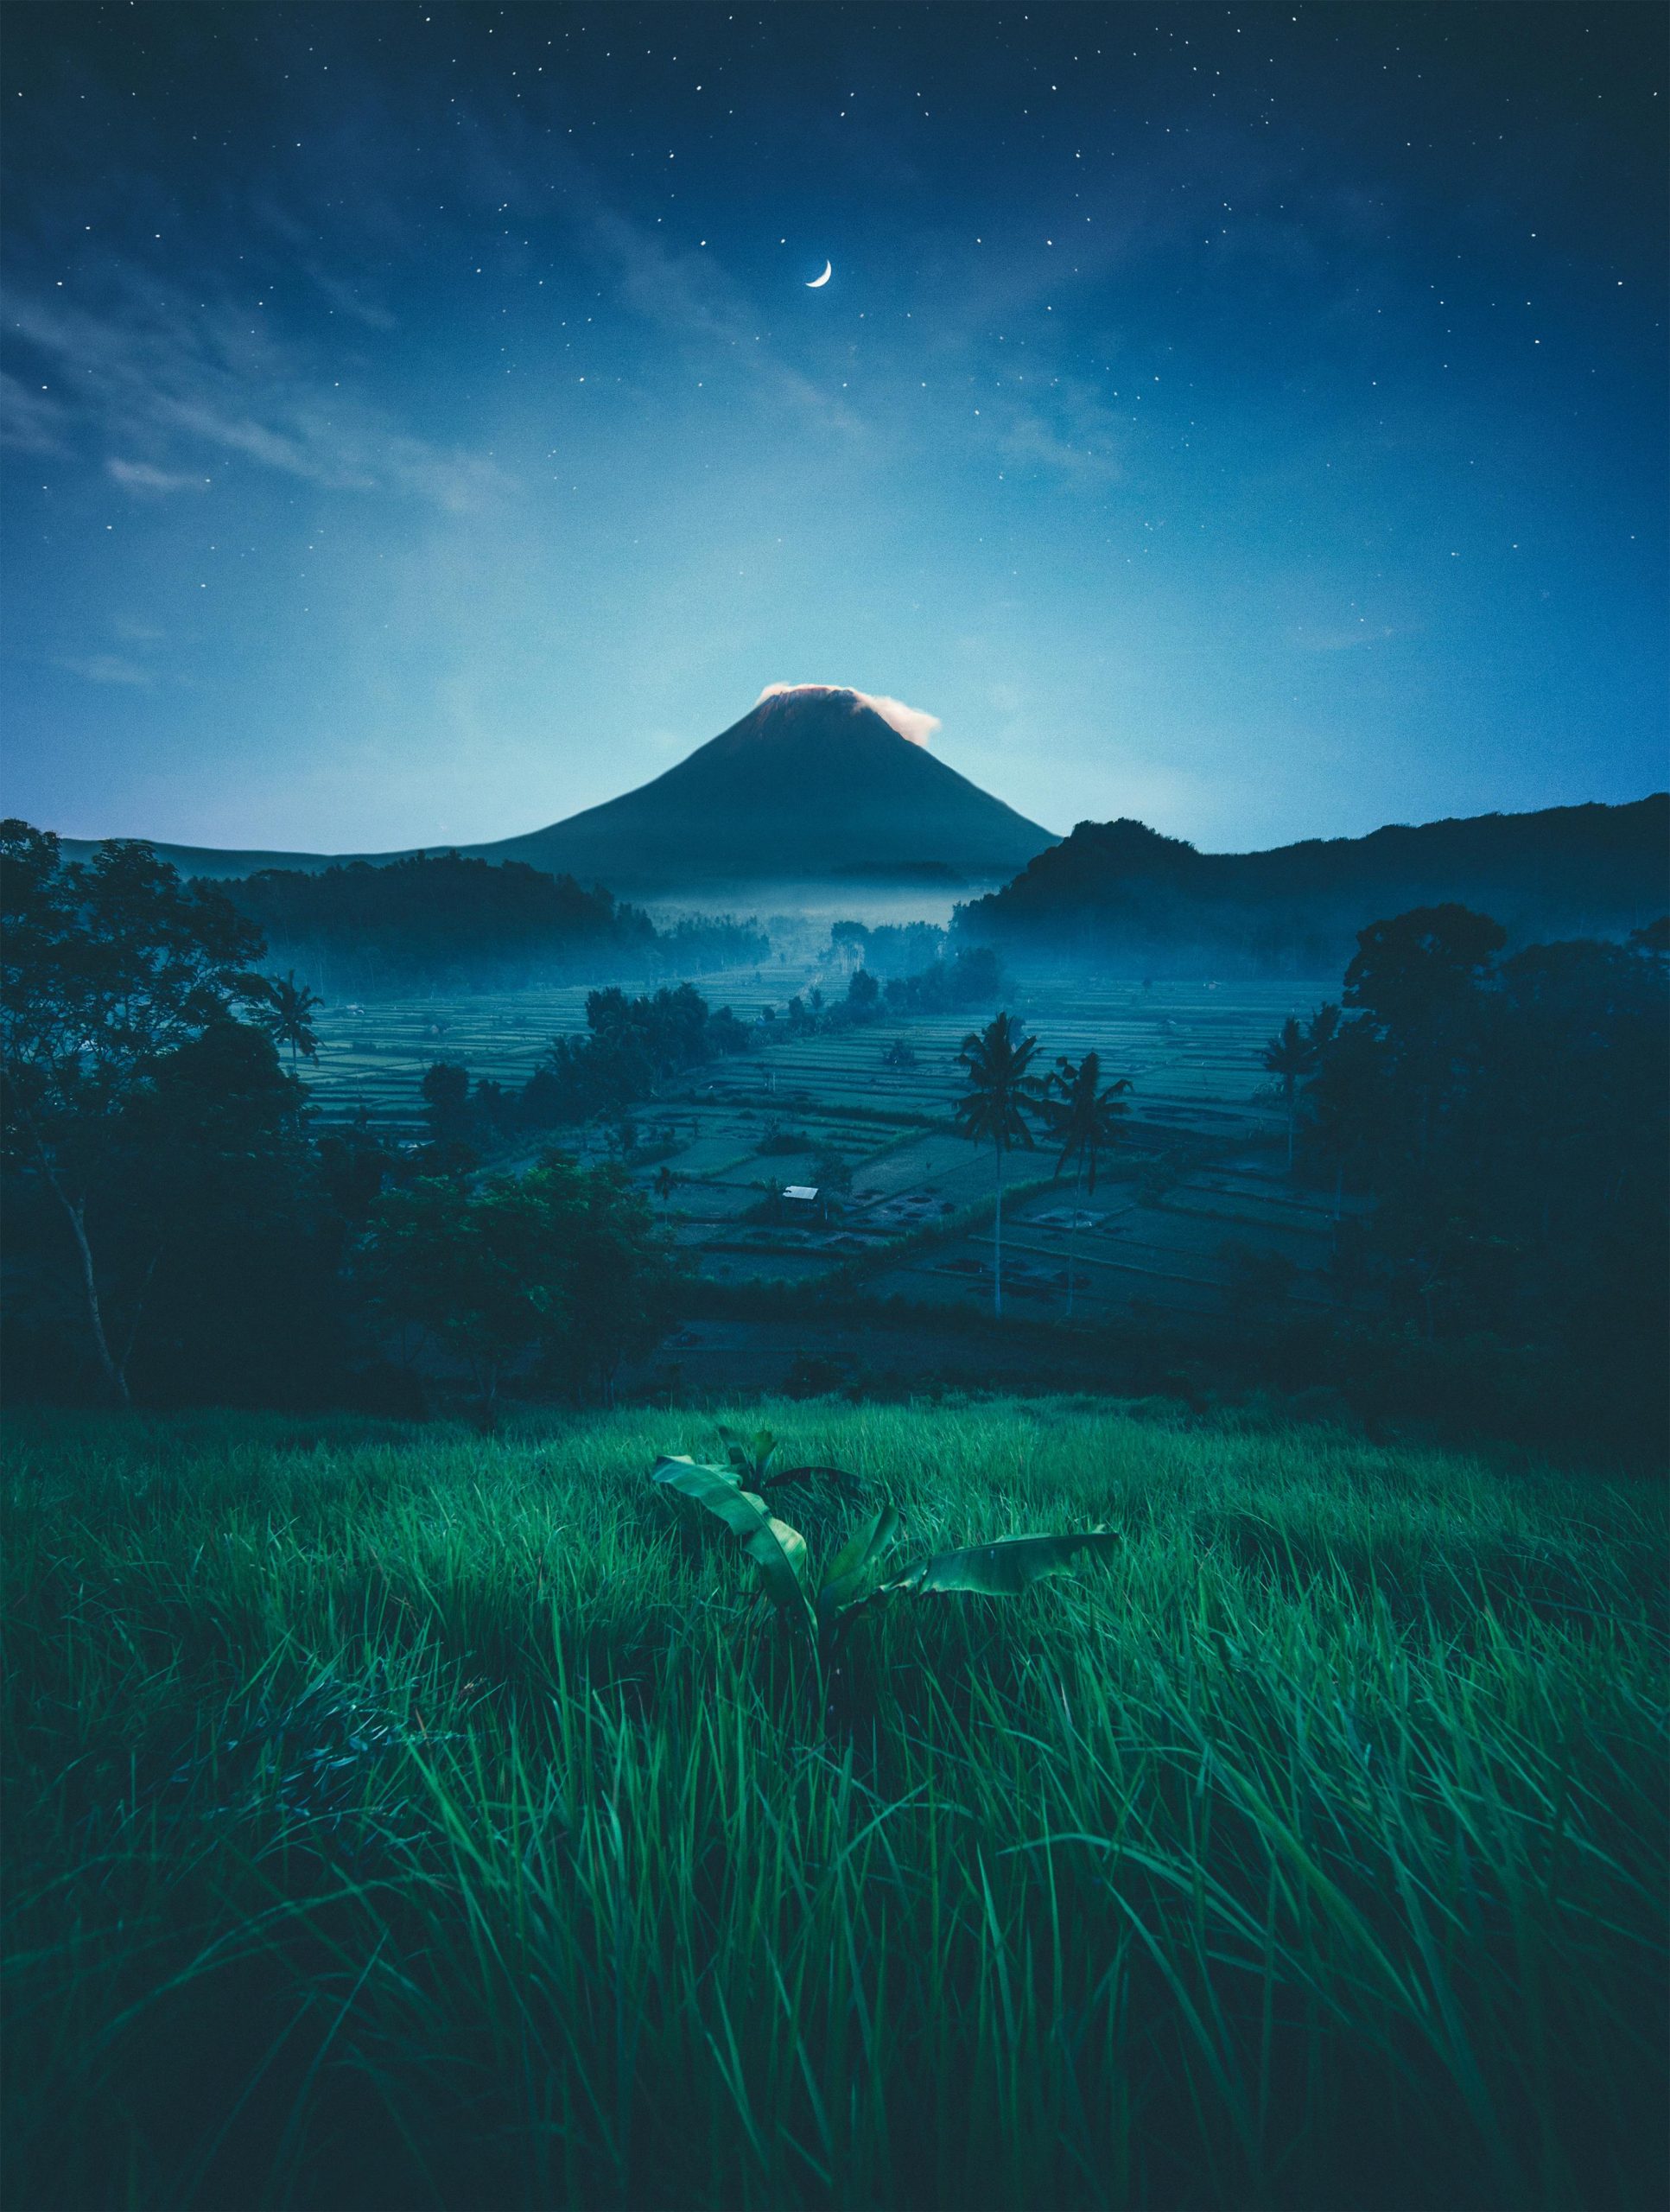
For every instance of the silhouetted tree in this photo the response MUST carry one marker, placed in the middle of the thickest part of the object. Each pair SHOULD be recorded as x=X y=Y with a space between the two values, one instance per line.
x=491 y=1107
x=1505 y=1117
x=1416 y=981
x=109 y=967
x=446 y=1089
x=1291 y=1056
x=1405 y=970
x=1085 y=1118
x=227 y=1226
x=562 y=1266
x=832 y=1171
x=1001 y=1091
x=355 y=1163
x=974 y=978
x=286 y=1010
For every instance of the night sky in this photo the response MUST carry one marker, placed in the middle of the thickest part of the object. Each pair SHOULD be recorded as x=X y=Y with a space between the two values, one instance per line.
x=421 y=425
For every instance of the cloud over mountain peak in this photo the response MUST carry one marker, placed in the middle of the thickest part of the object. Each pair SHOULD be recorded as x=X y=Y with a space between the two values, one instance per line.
x=909 y=721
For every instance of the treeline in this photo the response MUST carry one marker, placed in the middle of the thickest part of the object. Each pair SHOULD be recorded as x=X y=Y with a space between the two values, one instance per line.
x=973 y=978
x=630 y=1047
x=892 y=948
x=439 y=921
x=177 y=1228
x=1506 y=1115
x=1121 y=897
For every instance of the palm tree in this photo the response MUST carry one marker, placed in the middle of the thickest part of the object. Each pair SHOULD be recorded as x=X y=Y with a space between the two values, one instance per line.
x=1291 y=1055
x=1086 y=1119
x=1322 y=1030
x=1001 y=1092
x=288 y=1015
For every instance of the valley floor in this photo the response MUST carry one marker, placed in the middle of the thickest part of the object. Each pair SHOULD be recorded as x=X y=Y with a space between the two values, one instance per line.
x=1198 y=1182
x=402 y=1818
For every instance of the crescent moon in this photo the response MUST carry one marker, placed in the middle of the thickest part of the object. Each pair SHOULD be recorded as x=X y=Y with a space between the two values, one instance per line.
x=828 y=271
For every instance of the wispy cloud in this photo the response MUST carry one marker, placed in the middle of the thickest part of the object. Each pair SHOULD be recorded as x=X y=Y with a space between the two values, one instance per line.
x=909 y=721
x=142 y=476
x=1058 y=424
x=345 y=299
x=688 y=296
x=188 y=379
x=31 y=421
x=109 y=667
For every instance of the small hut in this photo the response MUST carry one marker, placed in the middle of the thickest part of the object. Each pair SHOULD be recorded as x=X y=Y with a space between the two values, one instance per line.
x=805 y=1202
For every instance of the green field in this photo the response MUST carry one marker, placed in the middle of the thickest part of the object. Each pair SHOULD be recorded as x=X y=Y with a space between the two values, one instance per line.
x=1201 y=1104
x=1190 y=1047
x=399 y=1818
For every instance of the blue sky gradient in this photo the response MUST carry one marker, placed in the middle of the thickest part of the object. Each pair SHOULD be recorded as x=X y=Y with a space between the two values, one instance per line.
x=419 y=426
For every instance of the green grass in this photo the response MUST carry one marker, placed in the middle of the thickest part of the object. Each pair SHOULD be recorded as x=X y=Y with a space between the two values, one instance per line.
x=398 y=1818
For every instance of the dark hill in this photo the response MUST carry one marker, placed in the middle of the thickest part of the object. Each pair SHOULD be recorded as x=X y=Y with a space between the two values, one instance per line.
x=1120 y=895
x=813 y=786
x=441 y=922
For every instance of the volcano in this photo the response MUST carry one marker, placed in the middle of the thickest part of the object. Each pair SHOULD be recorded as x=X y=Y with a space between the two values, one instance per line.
x=814 y=786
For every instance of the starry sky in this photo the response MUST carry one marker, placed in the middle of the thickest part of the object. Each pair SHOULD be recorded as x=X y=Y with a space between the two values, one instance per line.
x=420 y=423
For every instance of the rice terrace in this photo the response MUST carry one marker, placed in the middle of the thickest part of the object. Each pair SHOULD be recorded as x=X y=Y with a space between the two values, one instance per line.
x=894 y=1444
x=877 y=1103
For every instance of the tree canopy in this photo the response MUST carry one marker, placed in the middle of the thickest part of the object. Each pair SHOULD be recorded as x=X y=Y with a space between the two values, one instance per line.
x=561 y=1268
x=373 y=927
x=111 y=967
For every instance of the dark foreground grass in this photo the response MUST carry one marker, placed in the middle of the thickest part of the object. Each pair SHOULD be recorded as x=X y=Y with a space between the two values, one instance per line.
x=400 y=1818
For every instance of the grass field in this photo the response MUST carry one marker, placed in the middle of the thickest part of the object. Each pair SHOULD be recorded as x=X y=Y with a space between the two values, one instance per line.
x=400 y=1818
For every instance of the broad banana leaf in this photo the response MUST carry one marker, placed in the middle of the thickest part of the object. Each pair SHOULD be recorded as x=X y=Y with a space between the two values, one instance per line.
x=750 y=1457
x=779 y=1551
x=847 y=1569
x=1005 y=1568
x=802 y=1474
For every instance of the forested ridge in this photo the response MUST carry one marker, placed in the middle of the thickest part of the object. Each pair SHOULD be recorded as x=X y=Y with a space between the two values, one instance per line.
x=1120 y=893
x=363 y=928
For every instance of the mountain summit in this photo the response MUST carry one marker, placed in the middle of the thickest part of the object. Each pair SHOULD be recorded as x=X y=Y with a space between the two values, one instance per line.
x=813 y=784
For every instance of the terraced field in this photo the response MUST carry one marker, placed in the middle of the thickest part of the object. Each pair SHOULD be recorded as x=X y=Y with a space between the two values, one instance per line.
x=372 y=1057
x=1196 y=1202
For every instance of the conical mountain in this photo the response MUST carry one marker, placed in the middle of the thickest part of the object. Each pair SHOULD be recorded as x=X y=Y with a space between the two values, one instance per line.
x=814 y=783
x=813 y=787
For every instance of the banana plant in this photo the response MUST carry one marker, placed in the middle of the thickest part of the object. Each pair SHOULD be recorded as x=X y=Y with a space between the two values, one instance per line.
x=1006 y=1568
x=749 y=1458
x=820 y=1603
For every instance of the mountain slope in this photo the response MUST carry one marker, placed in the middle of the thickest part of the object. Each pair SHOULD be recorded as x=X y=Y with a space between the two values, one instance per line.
x=812 y=785
x=1117 y=892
